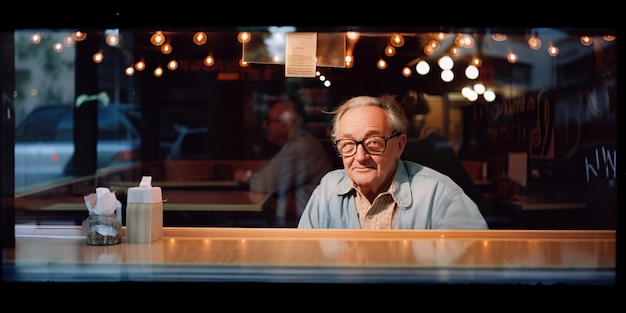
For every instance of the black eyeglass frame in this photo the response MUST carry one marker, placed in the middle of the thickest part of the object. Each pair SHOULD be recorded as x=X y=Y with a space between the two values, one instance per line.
x=357 y=143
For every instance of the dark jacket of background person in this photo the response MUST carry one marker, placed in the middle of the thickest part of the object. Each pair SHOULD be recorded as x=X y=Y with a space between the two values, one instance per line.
x=429 y=148
x=296 y=169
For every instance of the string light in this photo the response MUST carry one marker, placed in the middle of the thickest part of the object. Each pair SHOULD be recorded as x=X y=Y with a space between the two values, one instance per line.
x=397 y=40
x=157 y=39
x=586 y=40
x=244 y=37
x=390 y=51
x=57 y=47
x=35 y=38
x=209 y=61
x=534 y=42
x=140 y=66
x=158 y=72
x=79 y=36
x=199 y=38
x=129 y=71
x=68 y=41
x=172 y=65
x=512 y=57
x=112 y=39
x=166 y=48
x=98 y=57
x=406 y=72
x=381 y=64
x=553 y=50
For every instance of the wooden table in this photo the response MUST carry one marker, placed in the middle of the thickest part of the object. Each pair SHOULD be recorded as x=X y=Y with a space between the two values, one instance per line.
x=122 y=186
x=283 y=255
x=175 y=200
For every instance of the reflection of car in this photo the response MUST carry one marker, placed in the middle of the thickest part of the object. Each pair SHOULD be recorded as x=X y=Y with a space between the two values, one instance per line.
x=44 y=141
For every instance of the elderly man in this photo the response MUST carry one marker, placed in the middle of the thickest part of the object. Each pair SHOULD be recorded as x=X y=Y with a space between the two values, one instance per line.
x=378 y=190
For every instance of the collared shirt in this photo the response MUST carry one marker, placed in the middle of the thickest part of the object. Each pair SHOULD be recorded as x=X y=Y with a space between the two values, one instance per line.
x=425 y=199
x=380 y=213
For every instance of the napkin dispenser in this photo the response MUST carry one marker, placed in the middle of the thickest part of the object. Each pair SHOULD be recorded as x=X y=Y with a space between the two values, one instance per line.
x=144 y=212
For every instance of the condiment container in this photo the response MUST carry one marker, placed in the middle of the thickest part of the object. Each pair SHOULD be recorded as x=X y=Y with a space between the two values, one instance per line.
x=144 y=212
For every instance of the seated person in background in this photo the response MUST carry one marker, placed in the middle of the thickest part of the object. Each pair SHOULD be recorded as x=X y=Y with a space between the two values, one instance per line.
x=427 y=147
x=296 y=168
x=376 y=189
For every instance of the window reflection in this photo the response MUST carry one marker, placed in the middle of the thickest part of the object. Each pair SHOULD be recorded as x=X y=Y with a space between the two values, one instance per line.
x=559 y=108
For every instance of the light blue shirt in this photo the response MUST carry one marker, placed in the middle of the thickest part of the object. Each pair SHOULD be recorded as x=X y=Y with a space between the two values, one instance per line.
x=426 y=199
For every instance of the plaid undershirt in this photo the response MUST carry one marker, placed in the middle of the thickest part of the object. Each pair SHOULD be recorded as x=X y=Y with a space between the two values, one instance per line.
x=379 y=214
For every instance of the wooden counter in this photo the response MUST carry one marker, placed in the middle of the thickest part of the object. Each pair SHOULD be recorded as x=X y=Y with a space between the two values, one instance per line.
x=269 y=255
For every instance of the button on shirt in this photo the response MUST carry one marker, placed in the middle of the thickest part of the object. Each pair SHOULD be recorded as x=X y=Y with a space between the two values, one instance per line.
x=423 y=197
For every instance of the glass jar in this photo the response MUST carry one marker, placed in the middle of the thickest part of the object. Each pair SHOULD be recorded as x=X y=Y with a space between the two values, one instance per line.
x=103 y=230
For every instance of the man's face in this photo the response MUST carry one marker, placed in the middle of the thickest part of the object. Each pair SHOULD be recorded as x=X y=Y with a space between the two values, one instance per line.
x=370 y=172
x=277 y=130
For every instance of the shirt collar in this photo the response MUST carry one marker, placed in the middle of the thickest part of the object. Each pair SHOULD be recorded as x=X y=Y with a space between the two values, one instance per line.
x=400 y=186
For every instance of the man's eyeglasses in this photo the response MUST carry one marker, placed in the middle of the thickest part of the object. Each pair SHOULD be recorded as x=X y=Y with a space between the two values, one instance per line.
x=373 y=145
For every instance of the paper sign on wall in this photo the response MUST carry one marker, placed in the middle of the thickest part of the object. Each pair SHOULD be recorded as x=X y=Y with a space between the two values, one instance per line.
x=300 y=54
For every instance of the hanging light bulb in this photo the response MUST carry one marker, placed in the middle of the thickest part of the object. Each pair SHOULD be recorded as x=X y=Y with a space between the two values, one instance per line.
x=35 y=38
x=199 y=38
x=244 y=37
x=397 y=40
x=166 y=48
x=498 y=37
x=79 y=36
x=434 y=44
x=534 y=42
x=390 y=51
x=209 y=61
x=553 y=50
x=129 y=71
x=381 y=64
x=172 y=65
x=140 y=66
x=112 y=39
x=68 y=41
x=349 y=61
x=98 y=57
x=406 y=71
x=586 y=40
x=512 y=57
x=455 y=51
x=157 y=39
x=57 y=47
x=243 y=63
x=476 y=61
x=428 y=50
x=352 y=35
x=158 y=72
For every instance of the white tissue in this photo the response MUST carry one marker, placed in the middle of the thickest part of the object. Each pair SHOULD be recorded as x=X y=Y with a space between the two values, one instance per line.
x=103 y=202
